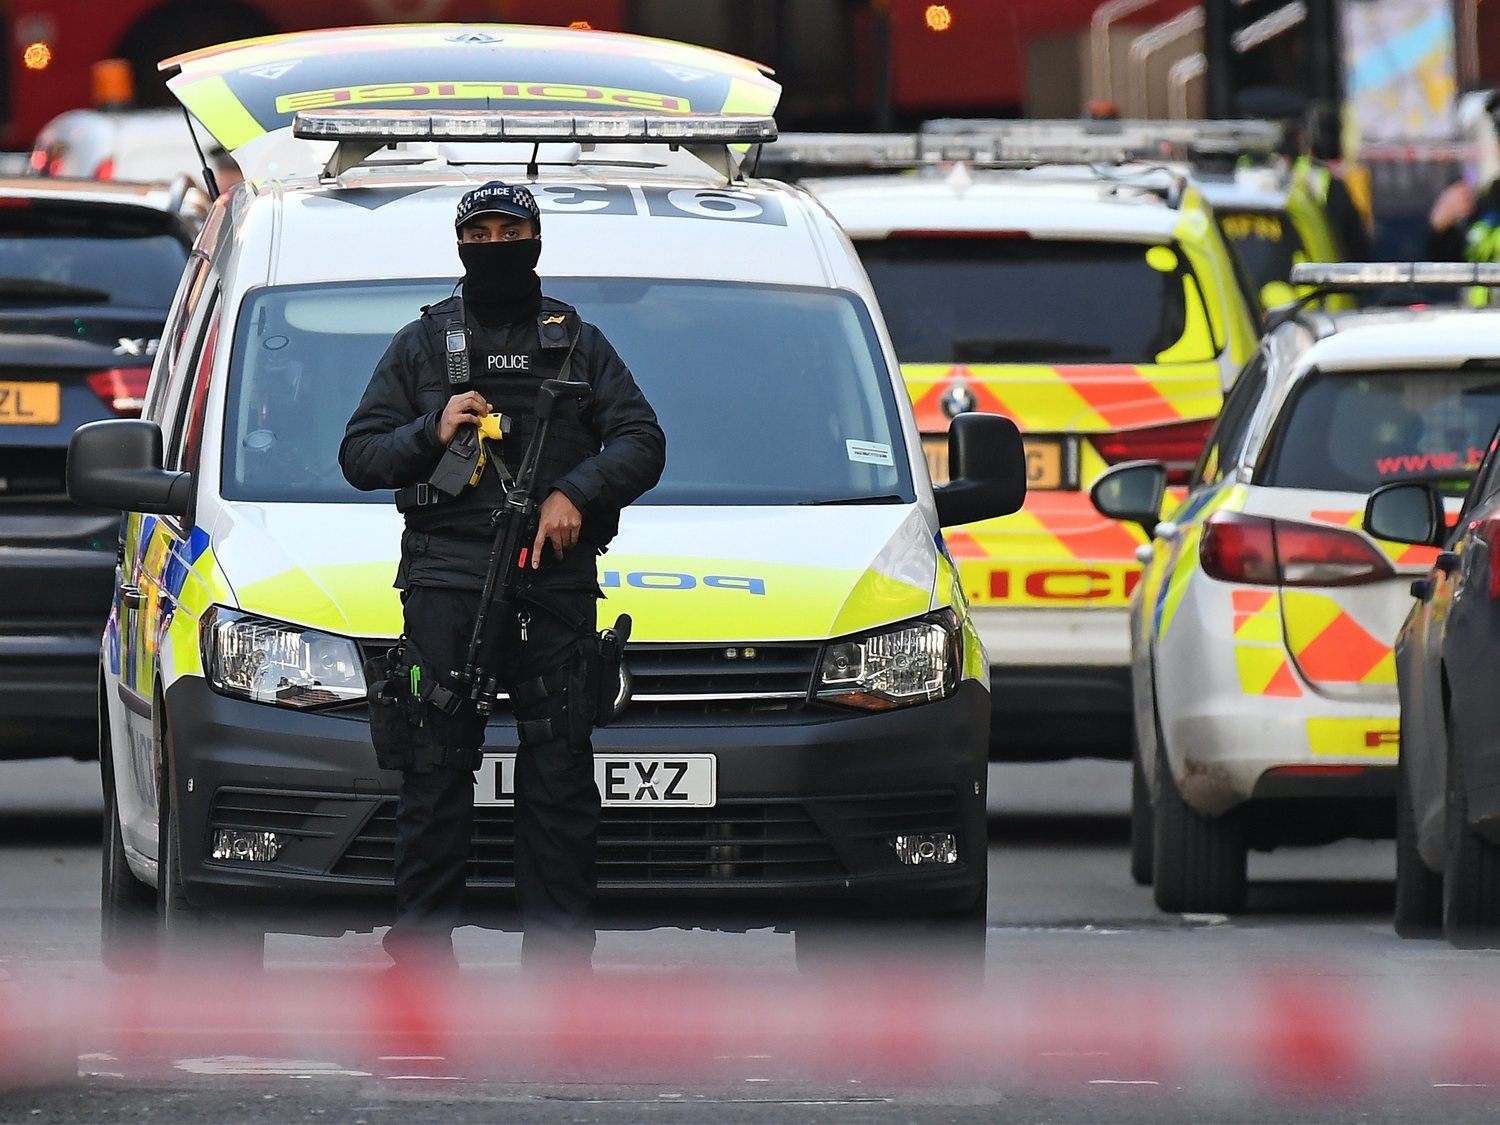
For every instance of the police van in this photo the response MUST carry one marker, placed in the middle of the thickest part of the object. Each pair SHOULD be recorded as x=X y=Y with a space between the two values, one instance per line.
x=810 y=709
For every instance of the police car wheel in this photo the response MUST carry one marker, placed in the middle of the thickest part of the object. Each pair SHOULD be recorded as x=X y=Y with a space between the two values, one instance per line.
x=1419 y=891
x=187 y=932
x=127 y=906
x=1142 y=830
x=1198 y=861
x=1471 y=873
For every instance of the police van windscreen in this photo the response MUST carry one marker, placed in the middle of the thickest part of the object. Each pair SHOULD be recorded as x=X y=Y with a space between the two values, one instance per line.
x=767 y=394
x=1009 y=298
x=1353 y=432
x=1266 y=241
x=64 y=254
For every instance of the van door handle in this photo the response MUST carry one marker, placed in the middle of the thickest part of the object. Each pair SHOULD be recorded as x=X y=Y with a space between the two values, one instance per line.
x=130 y=595
x=1165 y=531
x=1448 y=561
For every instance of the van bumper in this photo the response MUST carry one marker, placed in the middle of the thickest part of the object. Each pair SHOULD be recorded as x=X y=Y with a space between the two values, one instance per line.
x=806 y=809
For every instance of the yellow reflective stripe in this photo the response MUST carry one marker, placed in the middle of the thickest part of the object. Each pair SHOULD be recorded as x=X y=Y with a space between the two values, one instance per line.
x=352 y=598
x=1257 y=666
x=1196 y=342
x=212 y=102
x=876 y=599
x=750 y=97
x=1376 y=739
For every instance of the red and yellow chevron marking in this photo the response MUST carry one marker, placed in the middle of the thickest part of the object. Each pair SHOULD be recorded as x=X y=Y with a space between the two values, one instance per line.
x=1259 y=655
x=1329 y=646
x=1402 y=554
x=1379 y=739
x=1069 y=399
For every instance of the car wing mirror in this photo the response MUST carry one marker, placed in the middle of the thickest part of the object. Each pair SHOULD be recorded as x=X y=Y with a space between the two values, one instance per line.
x=1406 y=512
x=987 y=462
x=117 y=464
x=1133 y=492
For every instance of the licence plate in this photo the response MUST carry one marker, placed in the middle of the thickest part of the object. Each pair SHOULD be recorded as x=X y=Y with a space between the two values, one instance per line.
x=685 y=781
x=1044 y=461
x=30 y=404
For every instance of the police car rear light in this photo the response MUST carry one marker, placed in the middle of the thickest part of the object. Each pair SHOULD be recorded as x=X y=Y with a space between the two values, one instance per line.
x=123 y=389
x=532 y=127
x=1177 y=445
x=1238 y=548
x=1375 y=275
x=1326 y=556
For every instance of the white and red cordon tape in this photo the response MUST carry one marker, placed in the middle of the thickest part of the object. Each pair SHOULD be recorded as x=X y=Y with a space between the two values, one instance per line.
x=1284 y=1032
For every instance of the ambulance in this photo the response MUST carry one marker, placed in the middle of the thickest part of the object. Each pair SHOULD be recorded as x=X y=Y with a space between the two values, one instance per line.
x=1087 y=296
x=808 y=726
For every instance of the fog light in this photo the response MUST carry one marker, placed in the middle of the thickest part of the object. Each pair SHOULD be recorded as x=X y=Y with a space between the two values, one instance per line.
x=931 y=847
x=255 y=847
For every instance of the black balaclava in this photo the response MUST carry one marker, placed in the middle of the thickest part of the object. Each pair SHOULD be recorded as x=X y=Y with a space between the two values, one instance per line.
x=500 y=281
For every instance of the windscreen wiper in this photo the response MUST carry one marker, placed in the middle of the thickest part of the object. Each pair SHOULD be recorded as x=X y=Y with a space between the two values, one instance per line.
x=38 y=289
x=885 y=499
x=992 y=349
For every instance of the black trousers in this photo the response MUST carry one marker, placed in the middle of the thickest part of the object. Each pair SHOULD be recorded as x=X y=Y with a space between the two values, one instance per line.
x=557 y=802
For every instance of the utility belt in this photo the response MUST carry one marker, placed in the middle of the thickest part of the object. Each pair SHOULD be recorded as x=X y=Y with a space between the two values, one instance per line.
x=592 y=688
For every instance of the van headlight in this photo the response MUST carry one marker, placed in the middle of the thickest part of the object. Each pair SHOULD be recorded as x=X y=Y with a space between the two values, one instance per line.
x=280 y=663
x=894 y=666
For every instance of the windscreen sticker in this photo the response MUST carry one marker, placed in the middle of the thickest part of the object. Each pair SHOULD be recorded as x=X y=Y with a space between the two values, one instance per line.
x=869 y=452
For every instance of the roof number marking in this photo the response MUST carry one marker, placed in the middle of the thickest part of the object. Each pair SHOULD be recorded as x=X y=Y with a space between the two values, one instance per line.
x=730 y=204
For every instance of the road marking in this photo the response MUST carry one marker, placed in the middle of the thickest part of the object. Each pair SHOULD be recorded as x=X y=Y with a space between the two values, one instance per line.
x=1123 y=1082
x=424 y=1078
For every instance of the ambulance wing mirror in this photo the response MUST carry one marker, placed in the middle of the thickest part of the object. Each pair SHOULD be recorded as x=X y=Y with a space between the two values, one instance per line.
x=988 y=466
x=1133 y=492
x=117 y=465
x=1407 y=512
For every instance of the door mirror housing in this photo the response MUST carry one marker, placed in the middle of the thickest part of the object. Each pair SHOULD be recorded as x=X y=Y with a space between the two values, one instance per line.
x=1407 y=512
x=987 y=463
x=117 y=464
x=1133 y=492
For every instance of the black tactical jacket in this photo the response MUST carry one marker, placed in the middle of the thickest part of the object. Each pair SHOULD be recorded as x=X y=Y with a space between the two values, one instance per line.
x=392 y=442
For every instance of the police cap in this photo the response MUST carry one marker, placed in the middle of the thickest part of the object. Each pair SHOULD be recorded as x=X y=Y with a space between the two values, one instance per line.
x=498 y=198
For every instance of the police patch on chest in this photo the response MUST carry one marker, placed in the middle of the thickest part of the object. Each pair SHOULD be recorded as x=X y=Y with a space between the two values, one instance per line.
x=520 y=362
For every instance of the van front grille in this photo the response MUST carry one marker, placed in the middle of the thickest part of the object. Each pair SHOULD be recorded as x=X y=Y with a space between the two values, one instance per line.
x=733 y=841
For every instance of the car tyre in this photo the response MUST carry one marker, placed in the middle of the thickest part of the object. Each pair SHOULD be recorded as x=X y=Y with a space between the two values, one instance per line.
x=1198 y=861
x=127 y=906
x=189 y=933
x=1419 y=891
x=1471 y=872
x=1142 y=826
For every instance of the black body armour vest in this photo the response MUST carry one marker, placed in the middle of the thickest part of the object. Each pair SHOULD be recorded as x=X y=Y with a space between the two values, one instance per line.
x=507 y=364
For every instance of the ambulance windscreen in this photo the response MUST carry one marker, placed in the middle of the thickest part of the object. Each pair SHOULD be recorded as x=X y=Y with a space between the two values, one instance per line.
x=1266 y=242
x=982 y=298
x=1353 y=432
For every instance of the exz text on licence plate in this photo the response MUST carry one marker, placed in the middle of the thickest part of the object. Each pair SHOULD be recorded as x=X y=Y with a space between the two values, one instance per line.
x=685 y=781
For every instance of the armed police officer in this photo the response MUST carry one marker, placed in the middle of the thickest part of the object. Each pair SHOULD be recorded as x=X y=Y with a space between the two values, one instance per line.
x=487 y=350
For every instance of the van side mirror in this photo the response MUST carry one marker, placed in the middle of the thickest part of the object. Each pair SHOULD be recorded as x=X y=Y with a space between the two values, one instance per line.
x=117 y=464
x=987 y=466
x=1407 y=512
x=1133 y=491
